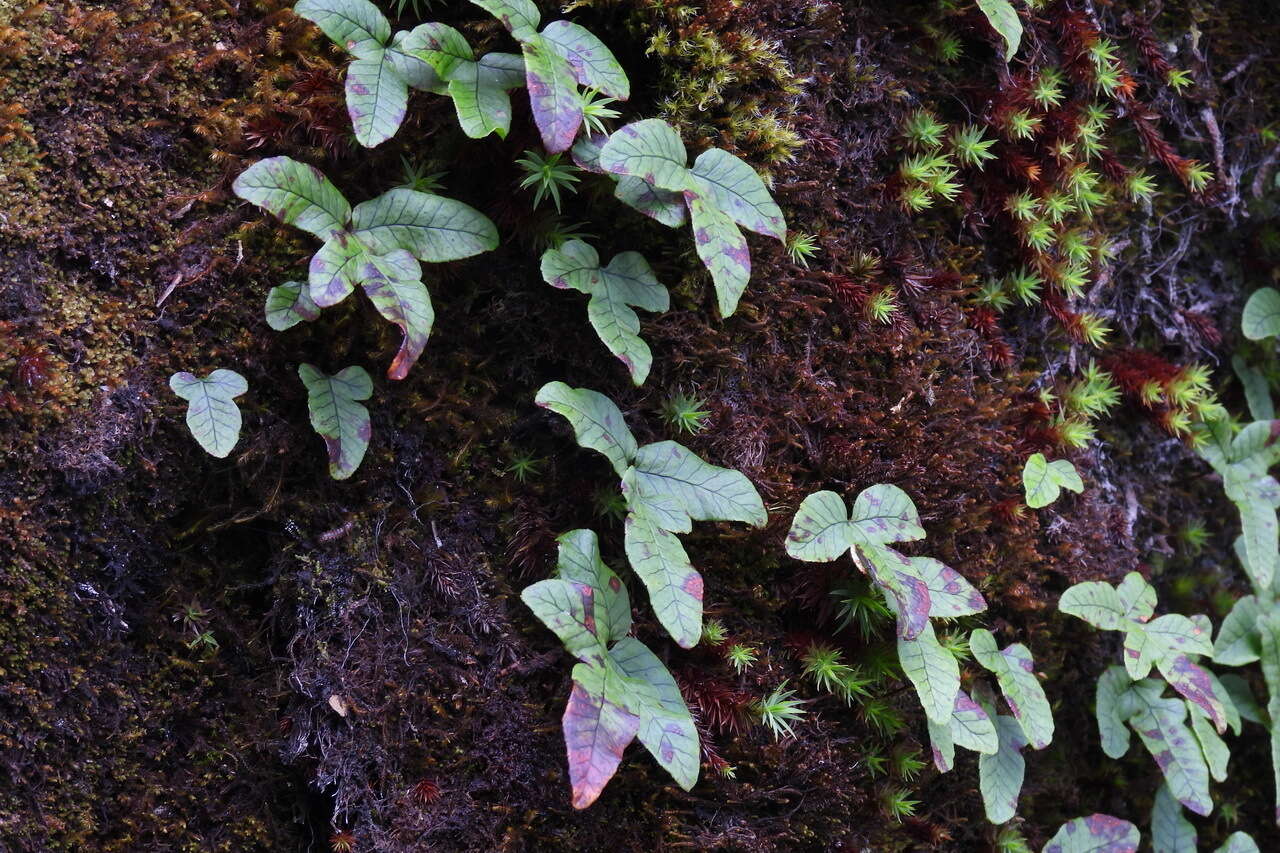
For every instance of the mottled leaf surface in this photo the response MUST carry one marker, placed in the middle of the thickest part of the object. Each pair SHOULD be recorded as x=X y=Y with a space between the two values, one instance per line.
x=430 y=227
x=950 y=595
x=405 y=303
x=666 y=726
x=1097 y=833
x=212 y=415
x=723 y=251
x=665 y=206
x=597 y=730
x=1015 y=672
x=377 y=98
x=357 y=26
x=597 y=423
x=650 y=150
x=736 y=189
x=1238 y=642
x=1171 y=832
x=289 y=304
x=1000 y=775
x=593 y=65
x=1160 y=723
x=296 y=193
x=520 y=17
x=1238 y=842
x=674 y=586
x=338 y=416
x=934 y=673
x=665 y=471
x=553 y=94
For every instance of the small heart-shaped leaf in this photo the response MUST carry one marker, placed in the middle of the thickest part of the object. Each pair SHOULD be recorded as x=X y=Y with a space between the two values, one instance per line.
x=212 y=415
x=337 y=416
x=1043 y=480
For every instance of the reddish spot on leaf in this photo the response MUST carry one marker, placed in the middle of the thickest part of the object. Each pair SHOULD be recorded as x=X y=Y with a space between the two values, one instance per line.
x=693 y=585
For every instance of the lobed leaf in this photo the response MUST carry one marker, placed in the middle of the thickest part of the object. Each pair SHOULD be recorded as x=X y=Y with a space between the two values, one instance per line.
x=440 y=46
x=1097 y=603
x=650 y=150
x=1161 y=725
x=731 y=185
x=593 y=65
x=289 y=304
x=578 y=560
x=354 y=25
x=569 y=608
x=338 y=417
x=1215 y=751
x=597 y=730
x=405 y=303
x=212 y=415
x=1239 y=642
x=972 y=727
x=1171 y=832
x=933 y=672
x=1113 y=707
x=675 y=587
x=520 y=17
x=296 y=193
x=430 y=227
x=479 y=93
x=377 y=98
x=664 y=206
x=666 y=726
x=597 y=423
x=1042 y=481
x=1097 y=833
x=950 y=595
x=1000 y=775
x=884 y=513
x=723 y=251
x=335 y=269
x=553 y=95
x=905 y=591
x=1015 y=672
x=665 y=472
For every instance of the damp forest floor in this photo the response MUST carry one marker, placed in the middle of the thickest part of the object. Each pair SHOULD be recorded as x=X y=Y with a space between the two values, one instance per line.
x=242 y=654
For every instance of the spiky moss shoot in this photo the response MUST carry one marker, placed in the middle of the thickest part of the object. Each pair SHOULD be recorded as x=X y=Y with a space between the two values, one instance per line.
x=1025 y=285
x=970 y=147
x=861 y=606
x=608 y=503
x=524 y=467
x=779 y=710
x=1071 y=278
x=876 y=762
x=921 y=168
x=1010 y=840
x=801 y=247
x=898 y=803
x=1191 y=383
x=880 y=714
x=948 y=48
x=907 y=762
x=1194 y=535
x=1062 y=150
x=741 y=656
x=824 y=666
x=993 y=295
x=1140 y=187
x=714 y=632
x=1092 y=329
x=916 y=198
x=1151 y=392
x=1038 y=234
x=596 y=112
x=414 y=175
x=1102 y=53
x=1057 y=206
x=882 y=306
x=1178 y=79
x=1072 y=431
x=1020 y=125
x=1108 y=79
x=1046 y=91
x=957 y=643
x=1197 y=175
x=923 y=131
x=547 y=176
x=1023 y=207
x=1093 y=394
x=943 y=183
x=685 y=413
